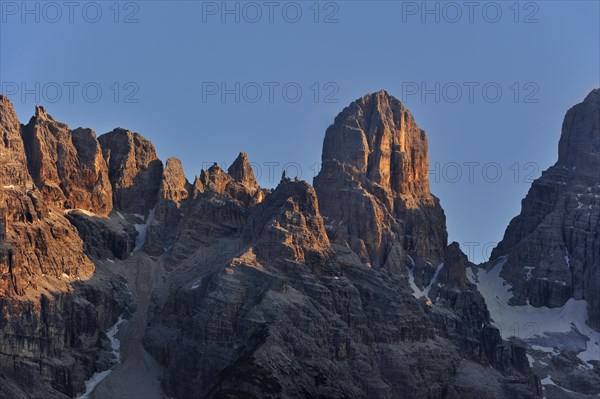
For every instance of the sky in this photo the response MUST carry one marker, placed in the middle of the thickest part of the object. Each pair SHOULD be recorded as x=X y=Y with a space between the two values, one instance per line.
x=489 y=82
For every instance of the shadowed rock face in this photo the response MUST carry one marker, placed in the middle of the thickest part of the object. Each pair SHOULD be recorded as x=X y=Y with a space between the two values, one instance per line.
x=553 y=245
x=170 y=207
x=67 y=166
x=373 y=187
x=134 y=170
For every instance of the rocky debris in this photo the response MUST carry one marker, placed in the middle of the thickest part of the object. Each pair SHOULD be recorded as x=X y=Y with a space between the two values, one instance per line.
x=67 y=166
x=553 y=244
x=373 y=187
x=135 y=171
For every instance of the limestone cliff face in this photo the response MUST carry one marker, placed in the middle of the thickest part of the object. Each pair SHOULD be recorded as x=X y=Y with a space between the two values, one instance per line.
x=553 y=245
x=50 y=321
x=373 y=187
x=34 y=239
x=134 y=170
x=288 y=225
x=67 y=166
x=13 y=162
x=170 y=207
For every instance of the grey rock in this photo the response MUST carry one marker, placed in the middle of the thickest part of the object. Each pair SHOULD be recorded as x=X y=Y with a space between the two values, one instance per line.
x=553 y=244
x=134 y=170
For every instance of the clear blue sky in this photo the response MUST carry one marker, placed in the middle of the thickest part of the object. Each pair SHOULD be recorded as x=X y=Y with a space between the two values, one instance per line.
x=171 y=55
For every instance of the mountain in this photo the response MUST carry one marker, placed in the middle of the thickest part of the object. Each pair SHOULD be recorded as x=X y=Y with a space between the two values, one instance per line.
x=54 y=301
x=553 y=245
x=283 y=293
x=121 y=278
x=547 y=266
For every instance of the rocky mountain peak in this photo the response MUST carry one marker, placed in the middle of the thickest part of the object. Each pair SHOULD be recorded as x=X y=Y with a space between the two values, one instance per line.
x=552 y=246
x=373 y=185
x=13 y=162
x=288 y=225
x=241 y=170
x=66 y=166
x=379 y=138
x=134 y=169
x=41 y=113
x=172 y=195
x=455 y=266
x=215 y=178
x=579 y=145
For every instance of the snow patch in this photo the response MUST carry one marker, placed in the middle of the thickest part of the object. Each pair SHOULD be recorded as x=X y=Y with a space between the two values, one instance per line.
x=142 y=230
x=115 y=344
x=548 y=381
x=417 y=292
x=530 y=358
x=567 y=259
x=527 y=322
x=528 y=273
x=434 y=279
x=542 y=349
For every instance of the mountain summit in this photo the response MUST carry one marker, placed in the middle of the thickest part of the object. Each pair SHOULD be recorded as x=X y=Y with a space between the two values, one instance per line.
x=553 y=245
x=373 y=187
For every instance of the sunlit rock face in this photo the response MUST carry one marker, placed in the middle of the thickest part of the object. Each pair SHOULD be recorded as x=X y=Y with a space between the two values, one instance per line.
x=553 y=245
x=51 y=321
x=67 y=165
x=13 y=162
x=373 y=187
